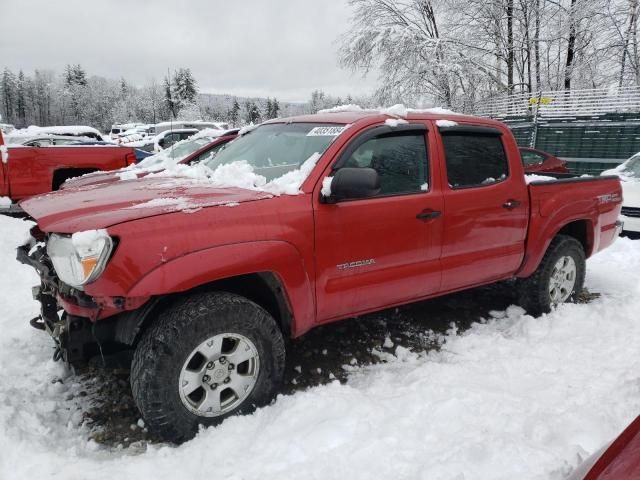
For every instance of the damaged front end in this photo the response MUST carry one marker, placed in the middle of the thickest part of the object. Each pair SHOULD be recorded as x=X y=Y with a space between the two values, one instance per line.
x=67 y=314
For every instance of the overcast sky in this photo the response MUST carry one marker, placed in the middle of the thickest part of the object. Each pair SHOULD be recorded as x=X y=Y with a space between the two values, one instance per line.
x=282 y=48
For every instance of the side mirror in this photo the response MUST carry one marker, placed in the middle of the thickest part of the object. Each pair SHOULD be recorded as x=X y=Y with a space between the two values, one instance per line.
x=350 y=183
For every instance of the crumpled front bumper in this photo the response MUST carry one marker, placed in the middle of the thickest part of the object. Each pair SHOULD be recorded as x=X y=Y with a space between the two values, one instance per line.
x=55 y=297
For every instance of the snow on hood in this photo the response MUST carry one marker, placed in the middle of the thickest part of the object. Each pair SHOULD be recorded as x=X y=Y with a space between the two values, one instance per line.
x=100 y=206
x=182 y=188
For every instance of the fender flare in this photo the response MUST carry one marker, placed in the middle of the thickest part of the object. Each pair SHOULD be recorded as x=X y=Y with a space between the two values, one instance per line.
x=205 y=266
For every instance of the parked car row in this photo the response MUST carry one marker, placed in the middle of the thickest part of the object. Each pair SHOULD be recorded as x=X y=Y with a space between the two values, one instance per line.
x=29 y=169
x=203 y=272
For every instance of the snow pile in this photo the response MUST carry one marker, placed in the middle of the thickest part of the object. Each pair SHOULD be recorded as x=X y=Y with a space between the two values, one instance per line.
x=247 y=129
x=4 y=153
x=351 y=107
x=394 y=122
x=446 y=123
x=5 y=202
x=179 y=203
x=127 y=174
x=398 y=110
x=514 y=397
x=326 y=186
x=76 y=130
x=240 y=174
x=290 y=182
x=87 y=239
x=530 y=177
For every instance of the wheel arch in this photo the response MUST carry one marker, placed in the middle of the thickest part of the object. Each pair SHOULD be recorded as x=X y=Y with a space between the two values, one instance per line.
x=582 y=229
x=263 y=288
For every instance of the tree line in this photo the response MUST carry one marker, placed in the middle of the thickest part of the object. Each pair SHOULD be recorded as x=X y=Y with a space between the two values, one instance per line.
x=76 y=98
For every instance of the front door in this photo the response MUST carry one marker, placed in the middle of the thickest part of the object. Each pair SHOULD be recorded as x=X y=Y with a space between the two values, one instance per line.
x=383 y=250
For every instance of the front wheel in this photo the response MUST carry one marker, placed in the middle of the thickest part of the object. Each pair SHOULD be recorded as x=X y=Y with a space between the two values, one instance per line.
x=558 y=279
x=208 y=357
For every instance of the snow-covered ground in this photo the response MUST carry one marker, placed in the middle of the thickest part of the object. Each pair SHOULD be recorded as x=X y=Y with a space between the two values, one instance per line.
x=513 y=397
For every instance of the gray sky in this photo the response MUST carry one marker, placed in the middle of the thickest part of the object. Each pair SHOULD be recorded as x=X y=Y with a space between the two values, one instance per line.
x=283 y=48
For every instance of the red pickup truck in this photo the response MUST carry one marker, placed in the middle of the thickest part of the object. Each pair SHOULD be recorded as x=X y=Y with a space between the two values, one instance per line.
x=300 y=222
x=27 y=171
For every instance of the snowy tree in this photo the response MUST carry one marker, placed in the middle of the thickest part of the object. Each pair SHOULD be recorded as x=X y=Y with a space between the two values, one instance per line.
x=233 y=115
x=185 y=86
x=8 y=94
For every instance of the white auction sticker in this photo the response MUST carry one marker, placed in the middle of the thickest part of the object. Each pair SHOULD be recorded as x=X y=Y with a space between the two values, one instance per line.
x=326 y=131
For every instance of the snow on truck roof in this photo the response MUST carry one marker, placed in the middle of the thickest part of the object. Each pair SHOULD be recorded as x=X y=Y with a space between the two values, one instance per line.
x=346 y=114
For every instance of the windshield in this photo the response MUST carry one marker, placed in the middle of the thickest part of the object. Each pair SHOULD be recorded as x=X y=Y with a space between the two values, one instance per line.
x=631 y=167
x=276 y=149
x=176 y=153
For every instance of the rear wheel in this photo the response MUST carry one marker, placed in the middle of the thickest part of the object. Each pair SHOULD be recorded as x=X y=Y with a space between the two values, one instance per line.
x=558 y=279
x=211 y=356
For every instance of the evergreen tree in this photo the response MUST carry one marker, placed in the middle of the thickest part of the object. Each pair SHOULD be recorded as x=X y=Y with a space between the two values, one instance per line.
x=79 y=76
x=168 y=97
x=234 y=113
x=123 y=88
x=8 y=94
x=268 y=109
x=21 y=104
x=185 y=85
x=68 y=76
x=275 y=108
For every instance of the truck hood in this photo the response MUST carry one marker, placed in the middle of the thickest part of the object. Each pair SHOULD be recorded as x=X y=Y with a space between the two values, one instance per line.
x=100 y=206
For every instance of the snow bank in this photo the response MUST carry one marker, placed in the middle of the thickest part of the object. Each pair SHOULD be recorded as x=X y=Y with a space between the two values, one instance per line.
x=514 y=397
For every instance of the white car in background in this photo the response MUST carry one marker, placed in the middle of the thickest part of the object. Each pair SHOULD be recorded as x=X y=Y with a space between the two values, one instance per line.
x=629 y=173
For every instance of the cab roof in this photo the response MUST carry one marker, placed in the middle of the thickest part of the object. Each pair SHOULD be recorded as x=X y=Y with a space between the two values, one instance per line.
x=356 y=116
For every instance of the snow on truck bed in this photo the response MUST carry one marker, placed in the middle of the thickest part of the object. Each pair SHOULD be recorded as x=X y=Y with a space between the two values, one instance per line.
x=511 y=398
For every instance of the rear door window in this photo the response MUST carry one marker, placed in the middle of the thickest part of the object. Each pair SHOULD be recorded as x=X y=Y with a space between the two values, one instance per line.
x=474 y=160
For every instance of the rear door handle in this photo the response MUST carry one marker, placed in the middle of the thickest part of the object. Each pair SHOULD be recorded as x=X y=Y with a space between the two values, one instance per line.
x=511 y=204
x=428 y=215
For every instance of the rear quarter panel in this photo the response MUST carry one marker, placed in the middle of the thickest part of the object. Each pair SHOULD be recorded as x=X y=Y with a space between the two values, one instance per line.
x=555 y=204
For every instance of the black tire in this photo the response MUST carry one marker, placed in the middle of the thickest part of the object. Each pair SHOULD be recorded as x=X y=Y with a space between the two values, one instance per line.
x=165 y=346
x=533 y=292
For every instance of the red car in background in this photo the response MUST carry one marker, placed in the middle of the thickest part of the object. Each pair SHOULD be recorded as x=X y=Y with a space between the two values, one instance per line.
x=537 y=161
x=620 y=460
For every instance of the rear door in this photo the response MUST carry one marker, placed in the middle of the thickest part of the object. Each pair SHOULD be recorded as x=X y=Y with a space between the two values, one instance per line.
x=485 y=206
x=384 y=250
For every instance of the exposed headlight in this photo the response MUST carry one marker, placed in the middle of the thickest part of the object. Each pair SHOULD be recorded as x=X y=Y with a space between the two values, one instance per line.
x=80 y=258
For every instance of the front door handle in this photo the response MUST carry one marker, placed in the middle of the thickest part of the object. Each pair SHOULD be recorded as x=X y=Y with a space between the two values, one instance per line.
x=511 y=204
x=428 y=215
